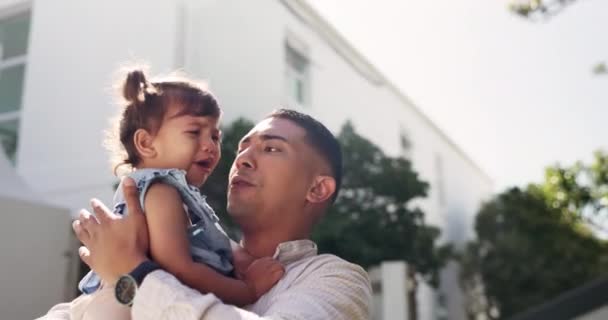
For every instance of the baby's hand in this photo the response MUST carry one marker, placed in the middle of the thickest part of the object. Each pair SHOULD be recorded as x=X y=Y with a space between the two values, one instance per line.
x=241 y=260
x=263 y=274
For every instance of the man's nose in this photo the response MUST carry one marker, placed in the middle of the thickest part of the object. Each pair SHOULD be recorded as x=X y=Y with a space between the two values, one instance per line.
x=245 y=159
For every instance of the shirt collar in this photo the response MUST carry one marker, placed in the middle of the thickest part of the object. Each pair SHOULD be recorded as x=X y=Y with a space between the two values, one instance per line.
x=291 y=251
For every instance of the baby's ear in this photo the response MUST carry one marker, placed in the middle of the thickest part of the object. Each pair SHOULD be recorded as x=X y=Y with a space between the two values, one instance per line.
x=144 y=145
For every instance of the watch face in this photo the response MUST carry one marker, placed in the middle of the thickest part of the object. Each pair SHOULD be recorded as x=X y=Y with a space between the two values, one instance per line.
x=125 y=289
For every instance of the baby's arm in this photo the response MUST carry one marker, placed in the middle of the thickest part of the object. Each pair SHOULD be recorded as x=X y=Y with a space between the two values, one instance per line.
x=241 y=259
x=169 y=247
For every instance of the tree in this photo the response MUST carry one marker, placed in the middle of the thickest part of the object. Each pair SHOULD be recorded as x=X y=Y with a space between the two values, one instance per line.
x=373 y=219
x=579 y=191
x=538 y=9
x=527 y=252
x=542 y=10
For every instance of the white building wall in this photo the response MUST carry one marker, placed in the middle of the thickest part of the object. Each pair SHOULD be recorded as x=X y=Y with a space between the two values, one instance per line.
x=239 y=47
x=9 y=6
x=74 y=48
x=37 y=258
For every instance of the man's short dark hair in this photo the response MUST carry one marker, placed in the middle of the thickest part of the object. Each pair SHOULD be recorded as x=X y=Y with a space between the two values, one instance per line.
x=320 y=138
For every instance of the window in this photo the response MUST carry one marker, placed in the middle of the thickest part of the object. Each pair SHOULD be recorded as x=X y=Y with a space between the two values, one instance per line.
x=297 y=77
x=405 y=142
x=14 y=32
x=441 y=307
x=441 y=196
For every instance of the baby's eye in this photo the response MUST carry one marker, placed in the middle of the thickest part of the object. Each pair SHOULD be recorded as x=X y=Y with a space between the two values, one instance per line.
x=194 y=132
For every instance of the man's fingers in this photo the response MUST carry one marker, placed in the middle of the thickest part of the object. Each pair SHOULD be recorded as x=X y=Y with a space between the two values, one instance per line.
x=84 y=216
x=87 y=221
x=85 y=255
x=102 y=213
x=131 y=198
x=80 y=232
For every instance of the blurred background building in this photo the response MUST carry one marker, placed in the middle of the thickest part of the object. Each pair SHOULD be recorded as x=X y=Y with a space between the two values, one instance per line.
x=57 y=59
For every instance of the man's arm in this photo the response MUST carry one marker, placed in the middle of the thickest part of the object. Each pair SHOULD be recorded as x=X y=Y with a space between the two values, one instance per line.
x=336 y=289
x=59 y=311
x=162 y=296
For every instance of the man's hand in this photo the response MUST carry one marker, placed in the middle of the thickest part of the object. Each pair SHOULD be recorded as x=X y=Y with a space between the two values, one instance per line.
x=113 y=246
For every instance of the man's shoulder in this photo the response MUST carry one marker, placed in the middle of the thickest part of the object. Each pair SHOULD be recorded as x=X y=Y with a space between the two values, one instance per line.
x=329 y=265
x=319 y=287
x=343 y=285
x=328 y=260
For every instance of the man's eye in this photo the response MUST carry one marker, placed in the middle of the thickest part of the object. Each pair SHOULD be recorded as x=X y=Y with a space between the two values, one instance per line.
x=194 y=132
x=271 y=149
x=216 y=138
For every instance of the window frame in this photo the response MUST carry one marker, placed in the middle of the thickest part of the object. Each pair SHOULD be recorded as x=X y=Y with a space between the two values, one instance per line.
x=19 y=60
x=295 y=48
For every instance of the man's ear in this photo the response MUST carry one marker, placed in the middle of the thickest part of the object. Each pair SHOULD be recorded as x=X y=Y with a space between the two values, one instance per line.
x=322 y=189
x=142 y=140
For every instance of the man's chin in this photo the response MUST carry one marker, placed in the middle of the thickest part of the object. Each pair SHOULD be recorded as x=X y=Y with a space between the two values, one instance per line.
x=237 y=209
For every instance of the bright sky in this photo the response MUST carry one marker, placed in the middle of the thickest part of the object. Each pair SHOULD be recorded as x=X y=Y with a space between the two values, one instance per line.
x=513 y=94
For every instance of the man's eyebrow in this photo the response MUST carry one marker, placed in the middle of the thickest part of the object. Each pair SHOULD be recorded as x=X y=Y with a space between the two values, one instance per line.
x=265 y=137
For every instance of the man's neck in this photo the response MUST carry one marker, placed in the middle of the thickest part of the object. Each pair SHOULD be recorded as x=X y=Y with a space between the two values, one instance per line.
x=259 y=246
x=264 y=244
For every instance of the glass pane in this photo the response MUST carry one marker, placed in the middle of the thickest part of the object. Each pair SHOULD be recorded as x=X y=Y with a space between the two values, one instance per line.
x=295 y=60
x=14 y=34
x=8 y=138
x=11 y=88
x=300 y=91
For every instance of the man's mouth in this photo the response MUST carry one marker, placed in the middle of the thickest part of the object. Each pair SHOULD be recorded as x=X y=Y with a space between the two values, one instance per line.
x=238 y=181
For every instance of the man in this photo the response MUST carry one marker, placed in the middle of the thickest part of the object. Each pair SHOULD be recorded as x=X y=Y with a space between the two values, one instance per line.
x=286 y=174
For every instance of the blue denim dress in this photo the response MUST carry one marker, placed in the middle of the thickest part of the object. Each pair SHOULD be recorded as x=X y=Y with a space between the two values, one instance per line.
x=209 y=244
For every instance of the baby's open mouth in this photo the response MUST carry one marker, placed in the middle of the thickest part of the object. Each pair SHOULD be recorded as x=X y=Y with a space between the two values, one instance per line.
x=205 y=164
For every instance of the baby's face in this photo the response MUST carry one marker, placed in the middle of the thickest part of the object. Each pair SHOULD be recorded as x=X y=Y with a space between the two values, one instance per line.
x=190 y=143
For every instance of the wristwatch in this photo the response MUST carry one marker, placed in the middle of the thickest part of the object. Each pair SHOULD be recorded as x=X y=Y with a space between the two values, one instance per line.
x=127 y=284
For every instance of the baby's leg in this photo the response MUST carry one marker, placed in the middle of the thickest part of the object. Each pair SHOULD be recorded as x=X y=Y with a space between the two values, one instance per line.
x=99 y=306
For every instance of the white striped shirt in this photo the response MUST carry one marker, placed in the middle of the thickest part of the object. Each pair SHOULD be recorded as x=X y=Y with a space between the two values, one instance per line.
x=313 y=287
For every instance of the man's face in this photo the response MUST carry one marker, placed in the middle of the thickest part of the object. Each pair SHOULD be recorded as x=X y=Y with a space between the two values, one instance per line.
x=271 y=174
